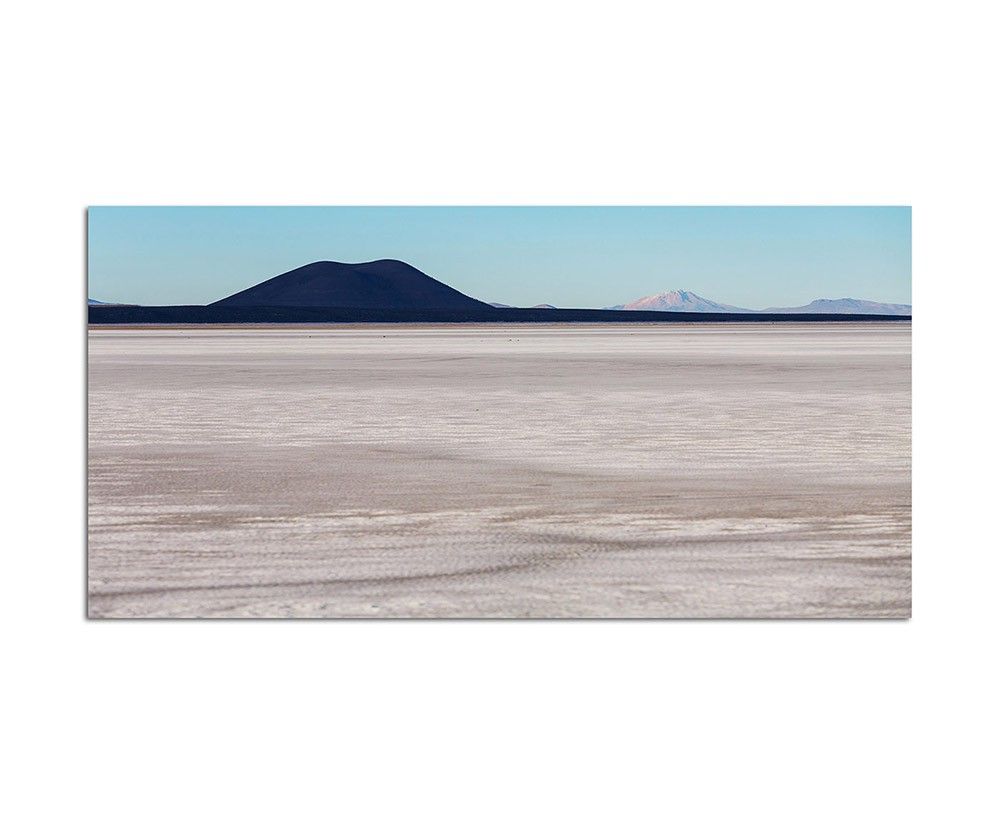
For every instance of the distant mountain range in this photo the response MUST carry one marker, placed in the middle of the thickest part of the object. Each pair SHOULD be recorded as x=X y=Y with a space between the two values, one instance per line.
x=680 y=300
x=847 y=306
x=398 y=286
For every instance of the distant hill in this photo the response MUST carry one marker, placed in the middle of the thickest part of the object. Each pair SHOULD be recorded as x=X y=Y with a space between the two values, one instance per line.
x=379 y=284
x=543 y=306
x=846 y=306
x=678 y=300
x=92 y=302
x=501 y=305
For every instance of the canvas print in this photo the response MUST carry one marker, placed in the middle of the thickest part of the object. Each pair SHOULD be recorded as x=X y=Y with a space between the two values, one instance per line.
x=498 y=412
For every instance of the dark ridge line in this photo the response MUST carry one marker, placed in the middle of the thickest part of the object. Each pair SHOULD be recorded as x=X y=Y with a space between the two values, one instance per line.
x=215 y=314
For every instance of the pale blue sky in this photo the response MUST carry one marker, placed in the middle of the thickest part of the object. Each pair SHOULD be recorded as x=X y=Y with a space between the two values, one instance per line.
x=570 y=256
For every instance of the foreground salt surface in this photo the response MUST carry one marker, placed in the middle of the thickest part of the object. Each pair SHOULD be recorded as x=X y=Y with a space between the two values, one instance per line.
x=515 y=471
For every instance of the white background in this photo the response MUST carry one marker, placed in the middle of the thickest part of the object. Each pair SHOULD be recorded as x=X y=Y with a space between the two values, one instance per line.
x=521 y=102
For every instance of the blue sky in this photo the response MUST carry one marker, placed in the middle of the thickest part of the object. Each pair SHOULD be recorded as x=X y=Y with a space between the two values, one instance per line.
x=570 y=256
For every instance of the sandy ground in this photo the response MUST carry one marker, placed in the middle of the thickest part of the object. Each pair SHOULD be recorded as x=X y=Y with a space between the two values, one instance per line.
x=500 y=471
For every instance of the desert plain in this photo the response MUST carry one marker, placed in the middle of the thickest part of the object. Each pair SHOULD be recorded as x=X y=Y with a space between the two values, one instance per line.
x=500 y=471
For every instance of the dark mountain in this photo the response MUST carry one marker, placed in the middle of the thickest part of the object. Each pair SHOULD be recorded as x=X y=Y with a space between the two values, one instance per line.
x=380 y=284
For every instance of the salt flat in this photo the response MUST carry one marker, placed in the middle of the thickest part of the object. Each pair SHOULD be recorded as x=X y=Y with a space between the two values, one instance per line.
x=744 y=470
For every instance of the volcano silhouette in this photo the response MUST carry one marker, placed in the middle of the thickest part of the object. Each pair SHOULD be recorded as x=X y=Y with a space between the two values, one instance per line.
x=379 y=284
